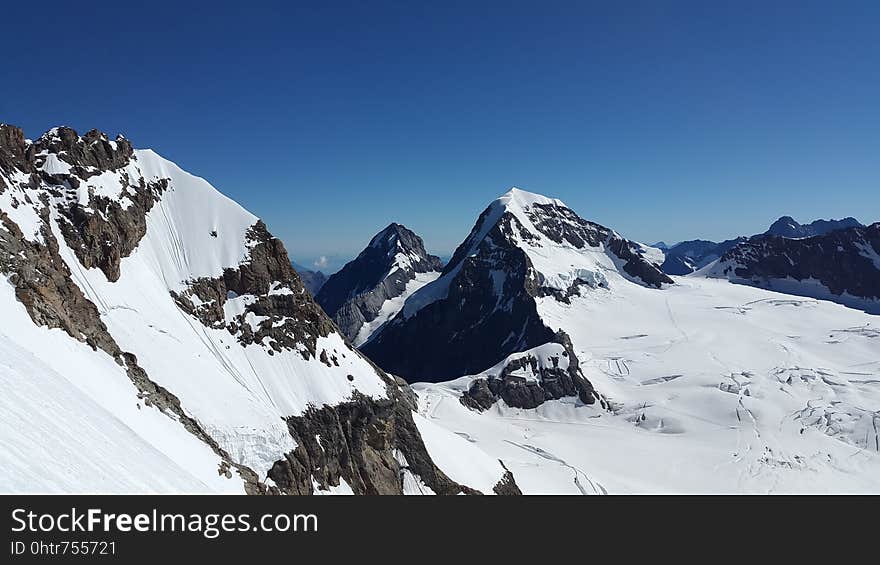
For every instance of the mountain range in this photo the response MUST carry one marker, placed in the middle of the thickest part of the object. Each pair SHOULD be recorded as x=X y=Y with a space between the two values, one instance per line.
x=157 y=338
x=688 y=256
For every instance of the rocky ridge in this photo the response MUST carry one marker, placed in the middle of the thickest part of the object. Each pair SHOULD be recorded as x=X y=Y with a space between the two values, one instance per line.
x=46 y=199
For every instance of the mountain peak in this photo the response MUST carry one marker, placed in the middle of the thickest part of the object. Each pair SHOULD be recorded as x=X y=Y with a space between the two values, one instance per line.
x=520 y=199
x=389 y=235
x=390 y=267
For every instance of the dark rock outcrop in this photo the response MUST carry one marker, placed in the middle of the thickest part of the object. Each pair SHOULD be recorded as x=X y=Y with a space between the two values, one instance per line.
x=558 y=379
x=277 y=295
x=368 y=444
x=845 y=262
x=688 y=256
x=355 y=295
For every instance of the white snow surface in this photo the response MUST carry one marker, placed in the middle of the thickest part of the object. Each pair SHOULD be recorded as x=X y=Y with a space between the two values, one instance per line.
x=70 y=421
x=715 y=388
x=391 y=307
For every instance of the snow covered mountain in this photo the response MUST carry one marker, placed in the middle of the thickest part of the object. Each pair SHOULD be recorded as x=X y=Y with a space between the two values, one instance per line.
x=841 y=265
x=587 y=371
x=155 y=337
x=688 y=256
x=371 y=289
x=524 y=247
x=786 y=226
x=312 y=280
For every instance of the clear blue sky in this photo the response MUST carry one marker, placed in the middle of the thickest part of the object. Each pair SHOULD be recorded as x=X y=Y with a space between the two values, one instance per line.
x=661 y=119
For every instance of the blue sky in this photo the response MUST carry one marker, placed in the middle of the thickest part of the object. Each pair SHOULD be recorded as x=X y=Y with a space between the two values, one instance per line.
x=663 y=120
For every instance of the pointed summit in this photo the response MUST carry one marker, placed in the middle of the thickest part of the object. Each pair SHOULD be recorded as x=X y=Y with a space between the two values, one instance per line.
x=371 y=288
x=523 y=247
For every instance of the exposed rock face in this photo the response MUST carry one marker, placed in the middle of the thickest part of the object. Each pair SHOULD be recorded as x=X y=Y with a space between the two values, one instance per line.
x=289 y=316
x=354 y=441
x=483 y=306
x=529 y=379
x=364 y=440
x=845 y=262
x=468 y=331
x=362 y=443
x=44 y=286
x=786 y=226
x=384 y=270
x=688 y=256
x=103 y=232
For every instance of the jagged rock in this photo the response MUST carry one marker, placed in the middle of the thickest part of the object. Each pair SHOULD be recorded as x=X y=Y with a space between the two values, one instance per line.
x=356 y=442
x=290 y=316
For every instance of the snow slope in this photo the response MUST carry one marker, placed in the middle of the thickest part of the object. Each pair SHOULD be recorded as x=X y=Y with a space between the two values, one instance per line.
x=392 y=306
x=72 y=419
x=715 y=387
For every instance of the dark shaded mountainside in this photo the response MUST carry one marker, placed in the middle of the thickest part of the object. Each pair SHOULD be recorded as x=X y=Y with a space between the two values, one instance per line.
x=841 y=265
x=688 y=256
x=829 y=259
x=61 y=184
x=483 y=307
x=356 y=294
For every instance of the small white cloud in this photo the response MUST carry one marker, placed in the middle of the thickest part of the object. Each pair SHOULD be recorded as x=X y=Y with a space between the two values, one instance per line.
x=321 y=262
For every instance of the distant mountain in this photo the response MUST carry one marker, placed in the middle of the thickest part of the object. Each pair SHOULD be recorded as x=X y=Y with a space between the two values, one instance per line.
x=312 y=280
x=371 y=288
x=786 y=226
x=689 y=256
x=525 y=249
x=842 y=265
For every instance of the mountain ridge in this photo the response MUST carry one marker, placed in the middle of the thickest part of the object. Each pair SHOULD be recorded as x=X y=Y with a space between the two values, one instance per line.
x=201 y=347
